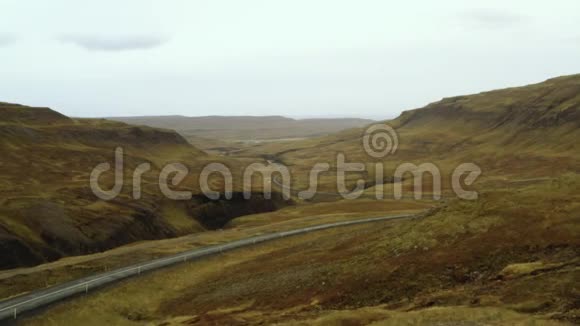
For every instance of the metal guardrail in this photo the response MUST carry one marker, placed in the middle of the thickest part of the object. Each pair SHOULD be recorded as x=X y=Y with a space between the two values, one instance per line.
x=12 y=307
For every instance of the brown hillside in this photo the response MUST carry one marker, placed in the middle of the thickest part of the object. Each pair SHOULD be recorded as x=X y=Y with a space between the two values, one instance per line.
x=47 y=209
x=509 y=257
x=529 y=131
x=15 y=113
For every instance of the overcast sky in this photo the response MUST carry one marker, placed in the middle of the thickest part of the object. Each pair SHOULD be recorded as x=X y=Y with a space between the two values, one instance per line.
x=274 y=57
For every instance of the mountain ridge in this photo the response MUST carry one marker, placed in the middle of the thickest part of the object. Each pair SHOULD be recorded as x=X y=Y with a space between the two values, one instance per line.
x=246 y=128
x=47 y=208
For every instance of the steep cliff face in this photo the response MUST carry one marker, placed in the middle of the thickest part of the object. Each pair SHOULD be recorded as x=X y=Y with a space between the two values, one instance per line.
x=48 y=210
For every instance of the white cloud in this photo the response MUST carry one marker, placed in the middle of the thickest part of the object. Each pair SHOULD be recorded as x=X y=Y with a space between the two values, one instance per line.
x=6 y=39
x=495 y=18
x=116 y=43
x=299 y=57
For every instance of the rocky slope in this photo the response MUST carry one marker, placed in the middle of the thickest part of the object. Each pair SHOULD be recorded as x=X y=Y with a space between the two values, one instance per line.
x=47 y=209
x=509 y=257
x=529 y=132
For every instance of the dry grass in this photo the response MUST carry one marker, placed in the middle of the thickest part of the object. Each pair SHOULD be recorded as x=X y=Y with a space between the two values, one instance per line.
x=17 y=281
x=449 y=267
x=519 y=133
x=510 y=257
x=47 y=209
x=376 y=316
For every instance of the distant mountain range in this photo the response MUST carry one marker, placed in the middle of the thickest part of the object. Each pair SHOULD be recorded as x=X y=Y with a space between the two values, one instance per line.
x=236 y=128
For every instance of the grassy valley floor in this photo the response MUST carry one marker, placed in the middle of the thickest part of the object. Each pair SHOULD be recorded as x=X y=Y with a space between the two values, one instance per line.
x=511 y=257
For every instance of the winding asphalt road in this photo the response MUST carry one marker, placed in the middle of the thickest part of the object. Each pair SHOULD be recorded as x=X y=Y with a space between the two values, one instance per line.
x=12 y=307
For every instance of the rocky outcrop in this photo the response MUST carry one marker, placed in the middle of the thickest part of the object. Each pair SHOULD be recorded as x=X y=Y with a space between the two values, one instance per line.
x=215 y=214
